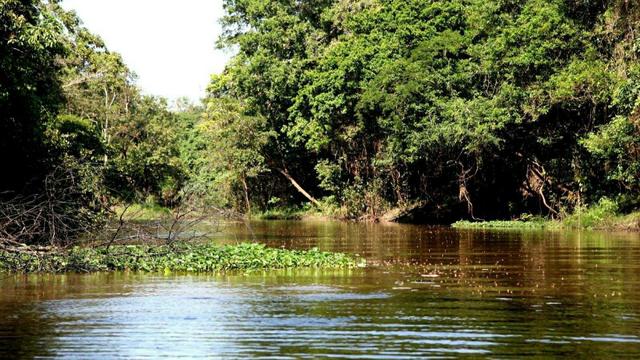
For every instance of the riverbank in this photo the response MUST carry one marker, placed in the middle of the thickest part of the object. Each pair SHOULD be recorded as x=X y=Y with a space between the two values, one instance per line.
x=282 y=214
x=602 y=216
x=306 y=212
x=629 y=222
x=179 y=257
x=151 y=212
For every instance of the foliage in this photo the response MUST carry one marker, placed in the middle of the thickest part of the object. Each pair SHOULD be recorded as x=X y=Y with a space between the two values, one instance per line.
x=233 y=152
x=180 y=257
x=504 y=224
x=616 y=144
x=142 y=212
x=486 y=108
x=285 y=213
x=603 y=215
x=30 y=41
x=71 y=115
x=145 y=159
x=50 y=193
x=600 y=214
x=139 y=134
x=474 y=109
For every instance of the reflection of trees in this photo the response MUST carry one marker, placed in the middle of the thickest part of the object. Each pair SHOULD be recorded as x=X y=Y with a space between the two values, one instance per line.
x=562 y=284
x=536 y=285
x=559 y=284
x=24 y=331
x=28 y=327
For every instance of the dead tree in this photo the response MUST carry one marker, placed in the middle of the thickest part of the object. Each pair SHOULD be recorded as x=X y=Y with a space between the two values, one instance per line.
x=463 y=194
x=53 y=218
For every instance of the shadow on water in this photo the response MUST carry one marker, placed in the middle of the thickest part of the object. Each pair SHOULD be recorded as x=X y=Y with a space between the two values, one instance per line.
x=429 y=292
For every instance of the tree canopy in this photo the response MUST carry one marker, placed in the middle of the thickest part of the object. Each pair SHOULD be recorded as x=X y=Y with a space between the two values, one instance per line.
x=460 y=108
x=488 y=108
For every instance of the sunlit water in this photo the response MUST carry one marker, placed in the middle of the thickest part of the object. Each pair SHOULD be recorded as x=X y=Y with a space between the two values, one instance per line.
x=429 y=292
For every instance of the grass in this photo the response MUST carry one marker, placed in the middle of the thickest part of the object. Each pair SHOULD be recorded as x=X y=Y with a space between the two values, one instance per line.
x=149 y=212
x=143 y=212
x=293 y=213
x=180 y=257
x=601 y=216
x=627 y=222
x=280 y=214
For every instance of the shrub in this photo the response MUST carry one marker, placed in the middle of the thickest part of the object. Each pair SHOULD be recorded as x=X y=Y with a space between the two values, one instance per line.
x=599 y=215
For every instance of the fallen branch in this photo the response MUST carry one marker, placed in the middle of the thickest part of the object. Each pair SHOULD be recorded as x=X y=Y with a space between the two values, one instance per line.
x=295 y=184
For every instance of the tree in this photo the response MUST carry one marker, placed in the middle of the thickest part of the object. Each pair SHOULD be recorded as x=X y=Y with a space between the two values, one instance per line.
x=31 y=41
x=466 y=105
x=233 y=154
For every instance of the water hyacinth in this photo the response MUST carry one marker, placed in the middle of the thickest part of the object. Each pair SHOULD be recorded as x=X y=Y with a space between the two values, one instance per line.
x=180 y=257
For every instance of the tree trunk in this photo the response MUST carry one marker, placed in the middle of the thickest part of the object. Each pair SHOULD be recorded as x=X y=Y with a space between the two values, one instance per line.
x=299 y=188
x=246 y=195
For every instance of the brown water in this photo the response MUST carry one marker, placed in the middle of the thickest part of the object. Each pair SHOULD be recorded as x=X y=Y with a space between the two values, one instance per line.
x=432 y=292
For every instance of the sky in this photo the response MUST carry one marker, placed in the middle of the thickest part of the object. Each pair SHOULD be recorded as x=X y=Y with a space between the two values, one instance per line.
x=169 y=44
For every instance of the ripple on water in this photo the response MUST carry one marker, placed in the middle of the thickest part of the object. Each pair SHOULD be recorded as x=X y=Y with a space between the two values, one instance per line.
x=457 y=293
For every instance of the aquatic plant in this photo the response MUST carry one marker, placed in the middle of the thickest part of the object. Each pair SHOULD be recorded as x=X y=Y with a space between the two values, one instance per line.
x=523 y=223
x=179 y=257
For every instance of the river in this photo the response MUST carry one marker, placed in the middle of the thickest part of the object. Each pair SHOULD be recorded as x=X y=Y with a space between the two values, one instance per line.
x=428 y=292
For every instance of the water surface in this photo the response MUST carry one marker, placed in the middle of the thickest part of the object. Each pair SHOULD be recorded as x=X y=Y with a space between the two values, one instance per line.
x=430 y=292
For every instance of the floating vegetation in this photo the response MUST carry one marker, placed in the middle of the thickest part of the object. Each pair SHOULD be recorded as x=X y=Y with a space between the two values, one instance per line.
x=179 y=257
x=505 y=224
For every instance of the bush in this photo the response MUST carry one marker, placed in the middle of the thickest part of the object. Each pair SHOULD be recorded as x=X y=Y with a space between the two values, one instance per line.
x=599 y=215
x=60 y=214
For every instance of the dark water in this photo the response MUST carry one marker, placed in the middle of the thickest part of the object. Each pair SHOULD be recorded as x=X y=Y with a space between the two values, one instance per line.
x=432 y=292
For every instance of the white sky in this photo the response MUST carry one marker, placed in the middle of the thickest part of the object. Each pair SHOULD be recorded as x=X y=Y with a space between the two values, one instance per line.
x=169 y=44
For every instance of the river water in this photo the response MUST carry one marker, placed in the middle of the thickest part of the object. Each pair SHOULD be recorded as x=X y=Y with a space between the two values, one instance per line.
x=428 y=292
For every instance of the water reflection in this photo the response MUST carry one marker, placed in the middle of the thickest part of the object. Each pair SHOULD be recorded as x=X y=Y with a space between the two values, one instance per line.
x=433 y=292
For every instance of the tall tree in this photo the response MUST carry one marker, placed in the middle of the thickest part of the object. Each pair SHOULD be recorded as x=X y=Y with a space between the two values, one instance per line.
x=31 y=44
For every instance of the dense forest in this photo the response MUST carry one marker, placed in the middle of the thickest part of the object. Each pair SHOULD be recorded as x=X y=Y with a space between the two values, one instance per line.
x=453 y=108
x=467 y=108
x=76 y=134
